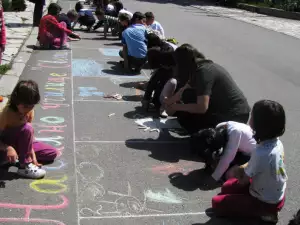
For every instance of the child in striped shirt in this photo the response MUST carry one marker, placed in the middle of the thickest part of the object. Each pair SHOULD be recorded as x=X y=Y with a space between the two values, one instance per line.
x=107 y=21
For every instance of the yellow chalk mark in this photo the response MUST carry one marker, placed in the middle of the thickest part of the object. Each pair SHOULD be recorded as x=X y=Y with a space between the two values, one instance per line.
x=58 y=184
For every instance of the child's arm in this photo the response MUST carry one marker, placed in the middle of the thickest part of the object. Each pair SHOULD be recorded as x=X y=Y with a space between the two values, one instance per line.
x=230 y=152
x=30 y=116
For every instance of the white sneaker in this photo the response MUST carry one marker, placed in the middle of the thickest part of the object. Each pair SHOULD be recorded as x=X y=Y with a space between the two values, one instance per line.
x=32 y=171
x=163 y=113
x=272 y=218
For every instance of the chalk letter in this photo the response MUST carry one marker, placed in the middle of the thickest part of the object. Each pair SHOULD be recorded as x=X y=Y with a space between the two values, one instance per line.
x=37 y=185
x=51 y=140
x=53 y=94
x=58 y=75
x=52 y=119
x=53 y=106
x=54 y=129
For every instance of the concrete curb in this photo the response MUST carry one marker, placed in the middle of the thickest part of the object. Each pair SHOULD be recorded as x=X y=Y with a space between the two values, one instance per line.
x=270 y=11
x=9 y=80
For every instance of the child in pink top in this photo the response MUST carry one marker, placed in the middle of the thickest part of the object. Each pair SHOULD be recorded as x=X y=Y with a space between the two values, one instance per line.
x=2 y=32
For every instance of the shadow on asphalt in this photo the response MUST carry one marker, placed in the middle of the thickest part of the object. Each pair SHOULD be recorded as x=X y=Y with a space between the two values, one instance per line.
x=191 y=181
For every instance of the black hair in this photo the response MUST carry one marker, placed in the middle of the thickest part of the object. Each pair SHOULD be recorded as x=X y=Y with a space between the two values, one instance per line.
x=118 y=6
x=72 y=13
x=268 y=120
x=78 y=6
x=99 y=12
x=153 y=40
x=149 y=15
x=124 y=17
x=54 y=9
x=157 y=58
x=25 y=92
x=137 y=16
x=209 y=143
x=186 y=57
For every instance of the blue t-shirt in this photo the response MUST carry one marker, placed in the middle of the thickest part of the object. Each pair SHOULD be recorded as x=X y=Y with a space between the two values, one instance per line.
x=135 y=39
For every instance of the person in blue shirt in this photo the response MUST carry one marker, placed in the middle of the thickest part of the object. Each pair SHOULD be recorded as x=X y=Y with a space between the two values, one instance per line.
x=134 y=44
x=85 y=16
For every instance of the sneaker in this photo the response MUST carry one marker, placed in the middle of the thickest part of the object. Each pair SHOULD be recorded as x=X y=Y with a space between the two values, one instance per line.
x=271 y=218
x=163 y=113
x=32 y=171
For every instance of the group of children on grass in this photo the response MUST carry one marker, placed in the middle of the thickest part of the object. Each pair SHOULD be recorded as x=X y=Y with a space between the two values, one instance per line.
x=246 y=157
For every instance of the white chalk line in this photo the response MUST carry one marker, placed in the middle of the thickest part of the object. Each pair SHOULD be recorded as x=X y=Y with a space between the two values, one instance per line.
x=136 y=141
x=73 y=133
x=142 y=216
x=101 y=100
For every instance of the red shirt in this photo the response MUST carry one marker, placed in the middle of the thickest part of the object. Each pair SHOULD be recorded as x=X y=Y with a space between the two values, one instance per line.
x=2 y=27
x=48 y=25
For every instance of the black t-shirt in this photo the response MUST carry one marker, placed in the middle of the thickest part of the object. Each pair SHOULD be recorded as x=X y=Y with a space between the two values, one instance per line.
x=226 y=98
x=64 y=18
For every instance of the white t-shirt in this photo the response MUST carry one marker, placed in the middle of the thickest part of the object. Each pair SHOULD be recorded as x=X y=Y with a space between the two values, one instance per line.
x=158 y=27
x=240 y=139
x=267 y=170
x=124 y=11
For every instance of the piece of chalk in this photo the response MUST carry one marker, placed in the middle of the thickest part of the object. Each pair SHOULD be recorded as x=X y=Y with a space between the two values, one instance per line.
x=112 y=114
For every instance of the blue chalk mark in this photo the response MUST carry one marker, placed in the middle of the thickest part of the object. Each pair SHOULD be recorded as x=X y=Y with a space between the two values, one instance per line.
x=110 y=51
x=60 y=166
x=86 y=68
x=89 y=91
x=55 y=94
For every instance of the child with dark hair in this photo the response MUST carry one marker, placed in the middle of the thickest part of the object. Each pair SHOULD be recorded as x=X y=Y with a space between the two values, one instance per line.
x=154 y=25
x=17 y=135
x=109 y=22
x=68 y=18
x=53 y=34
x=161 y=82
x=85 y=16
x=259 y=187
x=229 y=144
x=134 y=40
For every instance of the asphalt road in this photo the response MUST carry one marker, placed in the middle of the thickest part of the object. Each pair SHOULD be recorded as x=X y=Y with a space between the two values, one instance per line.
x=112 y=172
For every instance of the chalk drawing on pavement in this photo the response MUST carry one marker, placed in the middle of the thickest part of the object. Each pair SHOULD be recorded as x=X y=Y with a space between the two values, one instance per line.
x=123 y=205
x=164 y=197
x=86 y=68
x=114 y=52
x=89 y=91
x=90 y=174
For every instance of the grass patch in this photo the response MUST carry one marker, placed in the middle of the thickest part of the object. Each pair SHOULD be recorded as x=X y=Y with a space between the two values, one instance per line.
x=4 y=68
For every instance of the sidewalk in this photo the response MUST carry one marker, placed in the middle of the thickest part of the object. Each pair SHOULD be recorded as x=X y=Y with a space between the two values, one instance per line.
x=18 y=29
x=286 y=26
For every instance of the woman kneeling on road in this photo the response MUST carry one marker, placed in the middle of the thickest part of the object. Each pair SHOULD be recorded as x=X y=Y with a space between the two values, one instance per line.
x=210 y=95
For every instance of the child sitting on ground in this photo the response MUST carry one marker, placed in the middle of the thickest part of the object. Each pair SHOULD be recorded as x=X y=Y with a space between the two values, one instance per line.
x=109 y=22
x=85 y=17
x=154 y=25
x=68 y=18
x=259 y=187
x=16 y=132
x=125 y=21
x=52 y=34
x=229 y=144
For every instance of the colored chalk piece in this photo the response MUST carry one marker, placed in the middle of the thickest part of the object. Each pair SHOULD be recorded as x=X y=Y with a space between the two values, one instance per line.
x=114 y=52
x=86 y=68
